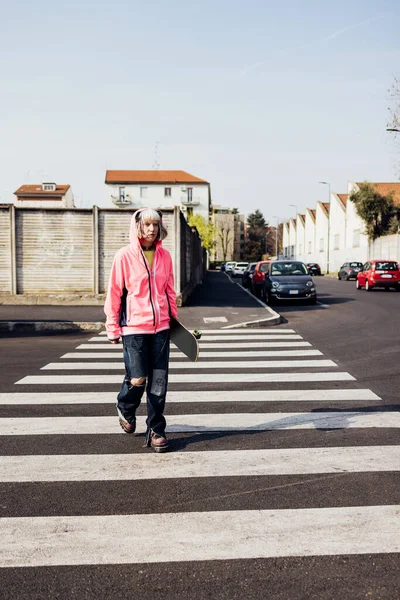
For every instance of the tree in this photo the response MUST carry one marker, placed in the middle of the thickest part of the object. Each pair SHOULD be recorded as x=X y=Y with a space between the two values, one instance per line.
x=256 y=236
x=225 y=234
x=374 y=209
x=206 y=230
x=394 y=110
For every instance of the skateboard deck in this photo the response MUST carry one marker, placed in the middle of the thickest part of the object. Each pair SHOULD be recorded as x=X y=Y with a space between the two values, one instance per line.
x=185 y=340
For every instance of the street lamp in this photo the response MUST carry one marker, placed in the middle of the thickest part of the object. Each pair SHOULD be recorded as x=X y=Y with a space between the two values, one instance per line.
x=329 y=221
x=295 y=231
x=276 y=235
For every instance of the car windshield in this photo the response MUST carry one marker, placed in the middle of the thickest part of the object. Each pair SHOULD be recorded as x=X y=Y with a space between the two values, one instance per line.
x=241 y=265
x=288 y=268
x=355 y=265
x=386 y=266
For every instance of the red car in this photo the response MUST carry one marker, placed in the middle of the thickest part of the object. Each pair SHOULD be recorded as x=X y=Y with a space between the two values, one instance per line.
x=379 y=273
x=258 y=279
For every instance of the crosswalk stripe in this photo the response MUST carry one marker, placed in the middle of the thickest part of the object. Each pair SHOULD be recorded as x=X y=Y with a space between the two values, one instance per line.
x=250 y=336
x=240 y=331
x=192 y=378
x=209 y=346
x=214 y=535
x=261 y=364
x=194 y=396
x=231 y=463
x=223 y=354
x=202 y=423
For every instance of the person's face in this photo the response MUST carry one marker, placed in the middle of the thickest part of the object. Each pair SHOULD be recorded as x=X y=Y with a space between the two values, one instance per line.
x=150 y=231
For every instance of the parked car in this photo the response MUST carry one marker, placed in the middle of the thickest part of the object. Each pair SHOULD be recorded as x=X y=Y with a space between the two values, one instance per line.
x=289 y=280
x=229 y=267
x=379 y=273
x=248 y=275
x=313 y=268
x=239 y=269
x=349 y=270
x=258 y=279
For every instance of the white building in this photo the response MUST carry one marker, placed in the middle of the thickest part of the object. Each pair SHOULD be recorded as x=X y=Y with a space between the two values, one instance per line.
x=44 y=195
x=159 y=189
x=334 y=233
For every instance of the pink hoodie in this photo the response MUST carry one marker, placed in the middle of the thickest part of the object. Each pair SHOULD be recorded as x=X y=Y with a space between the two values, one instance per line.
x=139 y=299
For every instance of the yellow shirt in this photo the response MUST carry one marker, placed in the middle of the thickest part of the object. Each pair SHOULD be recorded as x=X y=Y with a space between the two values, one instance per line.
x=149 y=254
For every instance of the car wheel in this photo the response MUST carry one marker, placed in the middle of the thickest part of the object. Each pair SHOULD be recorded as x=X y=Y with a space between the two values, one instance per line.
x=358 y=285
x=338 y=276
x=368 y=288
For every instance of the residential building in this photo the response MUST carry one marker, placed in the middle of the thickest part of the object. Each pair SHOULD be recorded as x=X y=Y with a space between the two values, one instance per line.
x=230 y=234
x=159 y=189
x=44 y=195
x=334 y=233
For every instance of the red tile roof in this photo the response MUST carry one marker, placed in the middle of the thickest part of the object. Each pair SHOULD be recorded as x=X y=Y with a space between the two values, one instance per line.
x=36 y=189
x=342 y=198
x=313 y=212
x=302 y=218
x=385 y=188
x=151 y=177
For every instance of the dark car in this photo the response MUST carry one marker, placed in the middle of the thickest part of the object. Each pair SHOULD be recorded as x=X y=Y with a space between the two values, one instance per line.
x=313 y=268
x=248 y=275
x=222 y=266
x=349 y=270
x=289 y=280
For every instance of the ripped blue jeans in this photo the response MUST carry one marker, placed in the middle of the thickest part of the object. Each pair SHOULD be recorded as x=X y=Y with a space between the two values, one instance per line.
x=145 y=355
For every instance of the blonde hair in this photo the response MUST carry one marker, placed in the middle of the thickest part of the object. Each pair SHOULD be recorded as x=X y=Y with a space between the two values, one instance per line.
x=150 y=214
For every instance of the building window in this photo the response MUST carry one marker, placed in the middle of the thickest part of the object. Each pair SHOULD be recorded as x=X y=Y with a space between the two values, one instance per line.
x=300 y=248
x=121 y=193
x=336 y=242
x=356 y=238
x=321 y=245
x=309 y=247
x=143 y=192
x=167 y=192
x=190 y=194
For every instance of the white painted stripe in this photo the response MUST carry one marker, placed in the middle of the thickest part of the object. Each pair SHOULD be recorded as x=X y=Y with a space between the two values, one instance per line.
x=214 y=346
x=222 y=354
x=260 y=364
x=250 y=336
x=21 y=398
x=231 y=463
x=213 y=535
x=202 y=423
x=241 y=331
x=192 y=378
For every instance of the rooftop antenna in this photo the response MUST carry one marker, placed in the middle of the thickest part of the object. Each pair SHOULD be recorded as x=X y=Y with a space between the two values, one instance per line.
x=156 y=163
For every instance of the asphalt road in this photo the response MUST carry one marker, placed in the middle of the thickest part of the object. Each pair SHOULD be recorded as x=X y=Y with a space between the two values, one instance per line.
x=356 y=330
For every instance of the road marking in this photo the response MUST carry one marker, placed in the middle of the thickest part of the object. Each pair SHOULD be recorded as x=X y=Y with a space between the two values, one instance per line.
x=192 y=378
x=222 y=354
x=196 y=536
x=202 y=423
x=261 y=364
x=241 y=331
x=231 y=463
x=22 y=398
x=215 y=346
x=215 y=319
x=250 y=336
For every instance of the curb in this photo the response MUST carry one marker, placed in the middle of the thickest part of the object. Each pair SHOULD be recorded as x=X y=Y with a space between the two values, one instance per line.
x=274 y=319
x=37 y=326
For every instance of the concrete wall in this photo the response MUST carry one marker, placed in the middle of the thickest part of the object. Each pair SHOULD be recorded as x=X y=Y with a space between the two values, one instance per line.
x=53 y=251
x=321 y=236
x=337 y=239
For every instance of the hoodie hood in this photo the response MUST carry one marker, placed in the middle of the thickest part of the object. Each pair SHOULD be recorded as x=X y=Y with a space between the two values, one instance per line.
x=134 y=240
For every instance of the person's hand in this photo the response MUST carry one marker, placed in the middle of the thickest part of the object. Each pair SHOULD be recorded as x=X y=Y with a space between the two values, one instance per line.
x=115 y=341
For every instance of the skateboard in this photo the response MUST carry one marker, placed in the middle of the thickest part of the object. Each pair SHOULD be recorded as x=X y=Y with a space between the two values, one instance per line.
x=185 y=340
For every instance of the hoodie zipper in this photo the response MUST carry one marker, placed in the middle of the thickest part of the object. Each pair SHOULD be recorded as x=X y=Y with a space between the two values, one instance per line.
x=149 y=278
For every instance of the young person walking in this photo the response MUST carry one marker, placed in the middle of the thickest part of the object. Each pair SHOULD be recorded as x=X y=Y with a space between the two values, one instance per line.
x=139 y=302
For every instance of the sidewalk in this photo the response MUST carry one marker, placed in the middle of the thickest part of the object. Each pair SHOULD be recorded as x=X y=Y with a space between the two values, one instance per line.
x=217 y=303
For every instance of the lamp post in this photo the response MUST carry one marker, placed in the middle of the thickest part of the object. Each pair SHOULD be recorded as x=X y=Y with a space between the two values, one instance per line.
x=329 y=221
x=276 y=235
x=295 y=231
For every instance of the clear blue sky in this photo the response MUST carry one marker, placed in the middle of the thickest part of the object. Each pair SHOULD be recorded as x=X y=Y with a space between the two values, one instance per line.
x=263 y=99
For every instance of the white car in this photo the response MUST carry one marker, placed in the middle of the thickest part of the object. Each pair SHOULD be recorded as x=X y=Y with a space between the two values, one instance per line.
x=239 y=269
x=229 y=267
